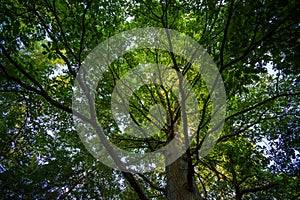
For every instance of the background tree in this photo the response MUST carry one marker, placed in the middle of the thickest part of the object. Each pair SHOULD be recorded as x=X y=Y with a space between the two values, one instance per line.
x=43 y=45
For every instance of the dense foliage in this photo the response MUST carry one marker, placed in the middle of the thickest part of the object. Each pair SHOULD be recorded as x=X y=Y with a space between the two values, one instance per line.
x=255 y=45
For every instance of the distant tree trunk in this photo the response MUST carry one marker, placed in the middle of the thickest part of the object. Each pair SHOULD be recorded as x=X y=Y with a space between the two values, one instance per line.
x=177 y=182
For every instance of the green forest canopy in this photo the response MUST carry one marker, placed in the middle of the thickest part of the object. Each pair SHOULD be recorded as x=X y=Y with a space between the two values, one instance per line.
x=43 y=45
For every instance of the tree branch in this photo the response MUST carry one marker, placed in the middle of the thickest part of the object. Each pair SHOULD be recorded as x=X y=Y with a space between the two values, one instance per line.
x=261 y=103
x=226 y=137
x=225 y=33
x=135 y=185
x=260 y=188
x=151 y=184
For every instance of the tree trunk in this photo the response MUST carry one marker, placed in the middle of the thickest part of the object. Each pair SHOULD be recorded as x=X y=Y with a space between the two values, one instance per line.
x=180 y=180
x=177 y=182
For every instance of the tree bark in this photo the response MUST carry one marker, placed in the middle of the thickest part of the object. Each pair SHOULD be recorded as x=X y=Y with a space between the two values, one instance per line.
x=177 y=182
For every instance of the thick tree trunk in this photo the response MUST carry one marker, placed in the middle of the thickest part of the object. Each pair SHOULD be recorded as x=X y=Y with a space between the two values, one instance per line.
x=180 y=182
x=177 y=182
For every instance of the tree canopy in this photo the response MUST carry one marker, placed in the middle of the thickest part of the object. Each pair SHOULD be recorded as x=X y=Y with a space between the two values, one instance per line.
x=255 y=46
